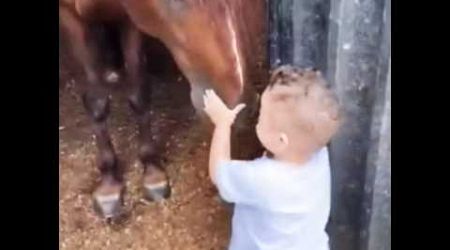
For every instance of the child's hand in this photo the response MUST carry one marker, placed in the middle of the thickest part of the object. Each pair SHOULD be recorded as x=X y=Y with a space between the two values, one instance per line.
x=219 y=113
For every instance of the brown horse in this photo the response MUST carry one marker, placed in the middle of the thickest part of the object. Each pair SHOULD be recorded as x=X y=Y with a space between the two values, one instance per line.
x=218 y=44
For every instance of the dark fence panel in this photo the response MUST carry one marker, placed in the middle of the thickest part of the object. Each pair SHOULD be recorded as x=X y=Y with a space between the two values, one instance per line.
x=350 y=42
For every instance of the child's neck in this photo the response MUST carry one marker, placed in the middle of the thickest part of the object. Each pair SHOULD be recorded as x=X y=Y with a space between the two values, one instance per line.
x=297 y=159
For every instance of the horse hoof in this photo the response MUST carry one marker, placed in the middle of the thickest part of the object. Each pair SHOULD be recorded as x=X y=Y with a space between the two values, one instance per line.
x=155 y=184
x=108 y=204
x=157 y=191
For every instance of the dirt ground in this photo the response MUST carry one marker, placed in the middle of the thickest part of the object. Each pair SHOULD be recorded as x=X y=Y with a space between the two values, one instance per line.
x=192 y=218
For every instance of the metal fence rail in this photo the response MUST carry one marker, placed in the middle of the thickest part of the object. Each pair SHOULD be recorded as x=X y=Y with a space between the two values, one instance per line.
x=349 y=40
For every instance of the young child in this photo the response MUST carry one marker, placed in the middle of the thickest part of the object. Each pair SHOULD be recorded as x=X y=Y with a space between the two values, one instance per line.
x=282 y=201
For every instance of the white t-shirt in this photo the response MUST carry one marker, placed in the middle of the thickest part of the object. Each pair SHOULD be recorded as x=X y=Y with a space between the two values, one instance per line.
x=278 y=206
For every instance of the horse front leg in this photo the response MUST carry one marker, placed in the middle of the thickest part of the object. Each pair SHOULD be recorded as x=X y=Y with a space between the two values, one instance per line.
x=108 y=195
x=155 y=181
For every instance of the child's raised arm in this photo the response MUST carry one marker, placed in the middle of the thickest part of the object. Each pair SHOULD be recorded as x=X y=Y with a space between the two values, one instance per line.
x=223 y=118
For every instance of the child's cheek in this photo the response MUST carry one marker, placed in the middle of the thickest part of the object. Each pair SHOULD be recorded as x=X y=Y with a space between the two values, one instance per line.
x=262 y=136
x=259 y=133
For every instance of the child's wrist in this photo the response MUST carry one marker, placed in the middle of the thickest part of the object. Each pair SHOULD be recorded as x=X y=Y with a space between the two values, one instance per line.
x=223 y=125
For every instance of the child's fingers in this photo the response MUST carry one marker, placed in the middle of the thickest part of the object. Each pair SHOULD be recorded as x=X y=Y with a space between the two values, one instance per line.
x=216 y=98
x=205 y=101
x=238 y=108
x=210 y=96
x=209 y=92
x=213 y=99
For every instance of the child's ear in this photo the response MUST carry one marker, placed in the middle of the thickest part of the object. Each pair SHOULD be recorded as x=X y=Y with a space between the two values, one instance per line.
x=284 y=139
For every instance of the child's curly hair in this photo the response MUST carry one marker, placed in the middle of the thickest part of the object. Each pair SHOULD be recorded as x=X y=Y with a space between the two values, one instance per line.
x=312 y=107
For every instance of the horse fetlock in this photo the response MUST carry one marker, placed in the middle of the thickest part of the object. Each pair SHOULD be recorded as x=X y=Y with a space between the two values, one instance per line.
x=147 y=154
x=107 y=162
x=137 y=103
x=97 y=105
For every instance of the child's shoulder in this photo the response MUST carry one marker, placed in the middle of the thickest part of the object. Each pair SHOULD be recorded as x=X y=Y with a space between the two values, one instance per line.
x=264 y=159
x=260 y=164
